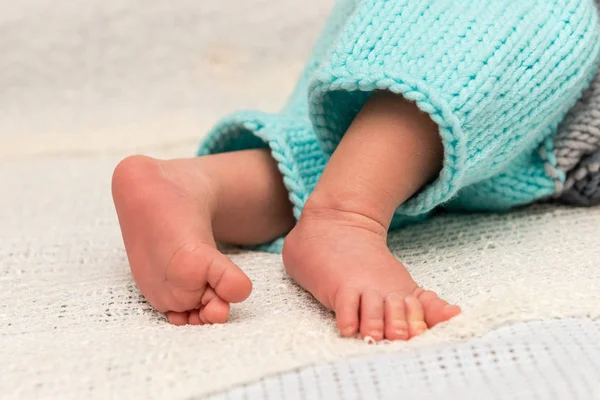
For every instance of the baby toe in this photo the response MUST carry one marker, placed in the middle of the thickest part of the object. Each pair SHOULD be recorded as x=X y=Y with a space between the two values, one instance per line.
x=202 y=316
x=450 y=311
x=436 y=310
x=215 y=310
x=177 y=318
x=194 y=318
x=396 y=327
x=346 y=305
x=415 y=316
x=372 y=315
x=228 y=280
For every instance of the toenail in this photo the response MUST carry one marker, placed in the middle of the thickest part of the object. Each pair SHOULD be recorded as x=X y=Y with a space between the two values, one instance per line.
x=348 y=331
x=376 y=335
x=420 y=330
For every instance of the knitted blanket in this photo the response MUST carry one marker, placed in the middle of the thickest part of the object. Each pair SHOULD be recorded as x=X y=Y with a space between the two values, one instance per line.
x=73 y=324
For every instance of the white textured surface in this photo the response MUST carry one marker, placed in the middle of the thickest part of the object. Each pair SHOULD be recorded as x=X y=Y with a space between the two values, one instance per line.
x=555 y=359
x=74 y=326
x=106 y=74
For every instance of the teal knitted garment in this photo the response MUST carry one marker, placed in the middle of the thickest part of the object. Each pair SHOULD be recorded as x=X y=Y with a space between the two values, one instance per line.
x=497 y=76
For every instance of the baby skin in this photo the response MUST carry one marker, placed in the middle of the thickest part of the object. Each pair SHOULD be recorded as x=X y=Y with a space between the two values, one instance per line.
x=173 y=212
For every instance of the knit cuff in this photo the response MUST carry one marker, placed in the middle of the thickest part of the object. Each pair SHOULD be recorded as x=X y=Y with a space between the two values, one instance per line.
x=293 y=146
x=497 y=77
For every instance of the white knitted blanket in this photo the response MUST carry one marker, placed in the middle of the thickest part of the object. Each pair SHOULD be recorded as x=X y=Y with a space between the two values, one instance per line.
x=73 y=324
x=83 y=81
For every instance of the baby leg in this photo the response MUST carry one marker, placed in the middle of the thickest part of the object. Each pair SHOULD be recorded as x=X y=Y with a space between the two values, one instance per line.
x=338 y=250
x=172 y=212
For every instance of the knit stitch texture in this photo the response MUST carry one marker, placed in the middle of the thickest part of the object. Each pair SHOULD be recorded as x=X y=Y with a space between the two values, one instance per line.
x=497 y=76
x=576 y=151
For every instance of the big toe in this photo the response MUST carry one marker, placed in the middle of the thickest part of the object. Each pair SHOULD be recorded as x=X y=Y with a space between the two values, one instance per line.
x=436 y=310
x=228 y=281
x=193 y=267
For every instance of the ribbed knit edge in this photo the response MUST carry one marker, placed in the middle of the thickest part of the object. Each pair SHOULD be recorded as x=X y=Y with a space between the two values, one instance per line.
x=231 y=134
x=340 y=81
x=253 y=130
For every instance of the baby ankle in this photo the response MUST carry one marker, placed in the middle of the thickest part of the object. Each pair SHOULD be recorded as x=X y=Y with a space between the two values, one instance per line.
x=347 y=209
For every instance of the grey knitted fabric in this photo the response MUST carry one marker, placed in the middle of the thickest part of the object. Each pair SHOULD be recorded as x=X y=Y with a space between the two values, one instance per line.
x=583 y=183
x=577 y=151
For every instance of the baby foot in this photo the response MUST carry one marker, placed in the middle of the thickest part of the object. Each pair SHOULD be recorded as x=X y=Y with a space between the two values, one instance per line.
x=164 y=212
x=343 y=260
